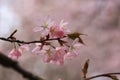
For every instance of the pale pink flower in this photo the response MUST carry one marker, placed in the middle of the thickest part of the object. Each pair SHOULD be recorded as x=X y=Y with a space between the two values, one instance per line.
x=63 y=24
x=58 y=56
x=59 y=31
x=63 y=27
x=44 y=27
x=14 y=54
x=51 y=55
x=73 y=49
x=47 y=58
x=24 y=47
x=44 y=54
x=70 y=55
x=47 y=53
x=56 y=31
x=39 y=49
x=36 y=50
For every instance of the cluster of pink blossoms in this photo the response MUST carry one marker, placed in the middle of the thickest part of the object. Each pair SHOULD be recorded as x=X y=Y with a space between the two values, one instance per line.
x=56 y=44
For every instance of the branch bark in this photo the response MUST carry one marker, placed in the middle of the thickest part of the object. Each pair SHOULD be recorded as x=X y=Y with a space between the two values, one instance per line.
x=9 y=63
x=103 y=75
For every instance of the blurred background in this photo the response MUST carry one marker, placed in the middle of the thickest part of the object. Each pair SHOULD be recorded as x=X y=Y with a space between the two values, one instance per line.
x=99 y=19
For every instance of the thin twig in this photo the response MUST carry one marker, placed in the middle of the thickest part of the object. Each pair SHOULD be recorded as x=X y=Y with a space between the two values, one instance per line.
x=102 y=75
x=12 y=34
x=9 y=63
x=29 y=42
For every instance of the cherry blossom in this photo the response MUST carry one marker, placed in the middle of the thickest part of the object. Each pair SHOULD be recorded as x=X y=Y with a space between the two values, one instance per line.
x=44 y=27
x=24 y=47
x=14 y=54
x=73 y=49
x=56 y=31
x=49 y=54
x=36 y=50
x=63 y=26
x=58 y=56
x=46 y=53
x=40 y=48
x=53 y=45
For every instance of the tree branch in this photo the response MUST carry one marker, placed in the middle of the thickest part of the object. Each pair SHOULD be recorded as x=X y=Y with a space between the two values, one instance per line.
x=23 y=42
x=12 y=34
x=9 y=63
x=103 y=75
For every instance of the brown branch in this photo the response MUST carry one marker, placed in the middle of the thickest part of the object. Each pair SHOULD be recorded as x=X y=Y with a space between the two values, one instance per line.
x=102 y=75
x=12 y=34
x=9 y=63
x=29 y=42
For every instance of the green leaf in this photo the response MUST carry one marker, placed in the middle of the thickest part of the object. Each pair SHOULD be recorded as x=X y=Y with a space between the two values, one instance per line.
x=85 y=68
x=74 y=35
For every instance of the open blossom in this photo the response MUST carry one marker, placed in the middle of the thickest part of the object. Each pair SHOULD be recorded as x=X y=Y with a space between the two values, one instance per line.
x=55 y=56
x=14 y=54
x=37 y=48
x=49 y=54
x=43 y=51
x=73 y=49
x=46 y=52
x=40 y=48
x=58 y=56
x=58 y=31
x=54 y=30
x=44 y=27
x=63 y=26
x=24 y=47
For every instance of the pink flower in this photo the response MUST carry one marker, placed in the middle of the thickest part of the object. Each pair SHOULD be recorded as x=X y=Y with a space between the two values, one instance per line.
x=46 y=53
x=14 y=54
x=63 y=24
x=70 y=55
x=63 y=27
x=44 y=27
x=36 y=50
x=73 y=49
x=40 y=49
x=49 y=54
x=58 y=56
x=58 y=30
x=55 y=31
x=47 y=58
x=24 y=47
x=43 y=51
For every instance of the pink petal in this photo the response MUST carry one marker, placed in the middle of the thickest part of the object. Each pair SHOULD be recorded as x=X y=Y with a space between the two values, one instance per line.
x=24 y=47
x=14 y=54
x=36 y=29
x=70 y=55
x=62 y=23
